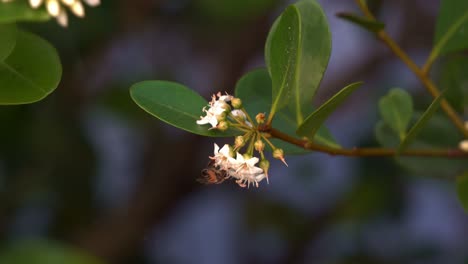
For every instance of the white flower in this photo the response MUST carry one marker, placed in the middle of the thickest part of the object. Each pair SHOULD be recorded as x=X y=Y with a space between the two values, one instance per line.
x=225 y=98
x=216 y=110
x=221 y=157
x=55 y=8
x=210 y=118
x=245 y=171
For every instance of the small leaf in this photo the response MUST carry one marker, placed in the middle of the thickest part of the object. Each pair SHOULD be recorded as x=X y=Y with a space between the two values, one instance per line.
x=297 y=53
x=422 y=121
x=44 y=252
x=452 y=27
x=314 y=121
x=21 y=11
x=254 y=88
x=396 y=109
x=462 y=190
x=438 y=134
x=30 y=72
x=174 y=104
x=385 y=135
x=371 y=25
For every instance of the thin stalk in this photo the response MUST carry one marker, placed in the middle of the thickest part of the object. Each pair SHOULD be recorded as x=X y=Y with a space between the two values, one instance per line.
x=366 y=152
x=421 y=74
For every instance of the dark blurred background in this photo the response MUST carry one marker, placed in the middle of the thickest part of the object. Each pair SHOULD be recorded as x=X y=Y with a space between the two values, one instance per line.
x=89 y=169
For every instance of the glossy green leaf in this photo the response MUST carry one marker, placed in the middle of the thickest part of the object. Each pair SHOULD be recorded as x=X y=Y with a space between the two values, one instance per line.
x=297 y=53
x=396 y=109
x=371 y=25
x=254 y=89
x=420 y=124
x=454 y=81
x=452 y=27
x=30 y=72
x=174 y=104
x=462 y=190
x=8 y=40
x=21 y=11
x=315 y=120
x=45 y=252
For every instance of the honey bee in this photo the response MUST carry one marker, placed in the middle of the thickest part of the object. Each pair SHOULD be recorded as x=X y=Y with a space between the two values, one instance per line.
x=212 y=174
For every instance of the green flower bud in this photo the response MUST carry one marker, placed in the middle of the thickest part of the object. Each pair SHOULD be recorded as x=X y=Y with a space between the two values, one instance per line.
x=260 y=118
x=222 y=126
x=239 y=141
x=259 y=145
x=279 y=154
x=236 y=103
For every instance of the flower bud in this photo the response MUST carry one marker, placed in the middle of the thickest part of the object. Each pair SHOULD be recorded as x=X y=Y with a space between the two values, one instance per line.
x=236 y=103
x=222 y=126
x=259 y=145
x=265 y=165
x=239 y=142
x=238 y=114
x=221 y=117
x=260 y=118
x=464 y=145
x=279 y=154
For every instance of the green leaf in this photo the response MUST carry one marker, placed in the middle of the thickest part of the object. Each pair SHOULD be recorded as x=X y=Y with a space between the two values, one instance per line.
x=315 y=120
x=254 y=89
x=297 y=53
x=21 y=11
x=44 y=252
x=422 y=121
x=396 y=109
x=30 y=72
x=8 y=40
x=385 y=136
x=452 y=27
x=438 y=134
x=454 y=81
x=462 y=190
x=371 y=25
x=174 y=104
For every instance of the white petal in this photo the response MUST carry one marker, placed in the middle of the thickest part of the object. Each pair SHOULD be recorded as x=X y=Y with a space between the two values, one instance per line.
x=78 y=9
x=92 y=2
x=225 y=151
x=35 y=3
x=252 y=161
x=202 y=121
x=53 y=7
x=62 y=18
x=216 y=149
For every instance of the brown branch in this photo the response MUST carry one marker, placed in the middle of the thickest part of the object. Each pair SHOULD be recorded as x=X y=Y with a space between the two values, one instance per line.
x=364 y=152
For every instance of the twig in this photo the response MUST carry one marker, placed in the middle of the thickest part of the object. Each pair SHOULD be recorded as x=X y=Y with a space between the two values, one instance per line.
x=420 y=73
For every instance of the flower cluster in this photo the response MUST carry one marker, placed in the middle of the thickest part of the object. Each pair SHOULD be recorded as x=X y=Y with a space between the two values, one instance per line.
x=226 y=112
x=464 y=143
x=242 y=168
x=56 y=8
